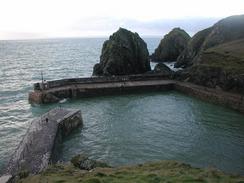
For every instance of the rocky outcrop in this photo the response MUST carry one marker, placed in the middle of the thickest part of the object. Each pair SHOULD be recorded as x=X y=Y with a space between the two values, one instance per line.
x=220 y=67
x=84 y=163
x=124 y=53
x=186 y=57
x=161 y=68
x=171 y=45
x=212 y=77
x=226 y=30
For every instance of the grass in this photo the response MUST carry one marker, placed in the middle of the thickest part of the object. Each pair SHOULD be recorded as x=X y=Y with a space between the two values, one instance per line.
x=228 y=56
x=163 y=171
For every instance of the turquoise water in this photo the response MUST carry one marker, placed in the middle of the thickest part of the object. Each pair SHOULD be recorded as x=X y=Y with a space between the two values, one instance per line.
x=120 y=130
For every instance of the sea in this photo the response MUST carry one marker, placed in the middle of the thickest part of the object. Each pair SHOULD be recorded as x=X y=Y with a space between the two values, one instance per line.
x=119 y=129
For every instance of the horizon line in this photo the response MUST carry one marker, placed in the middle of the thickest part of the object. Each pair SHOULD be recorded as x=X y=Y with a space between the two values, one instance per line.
x=75 y=37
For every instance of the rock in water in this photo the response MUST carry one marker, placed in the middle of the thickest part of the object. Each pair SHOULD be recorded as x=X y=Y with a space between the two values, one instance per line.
x=124 y=53
x=171 y=45
x=162 y=69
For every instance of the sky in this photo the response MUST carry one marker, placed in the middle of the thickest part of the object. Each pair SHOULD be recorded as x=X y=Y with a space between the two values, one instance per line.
x=34 y=19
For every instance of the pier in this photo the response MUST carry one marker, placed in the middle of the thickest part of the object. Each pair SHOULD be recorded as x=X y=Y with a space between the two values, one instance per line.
x=54 y=91
x=40 y=144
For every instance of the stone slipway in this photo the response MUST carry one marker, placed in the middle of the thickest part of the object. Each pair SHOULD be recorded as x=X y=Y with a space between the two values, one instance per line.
x=39 y=145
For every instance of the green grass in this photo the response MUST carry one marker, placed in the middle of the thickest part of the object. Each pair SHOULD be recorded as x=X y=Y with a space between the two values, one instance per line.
x=163 y=171
x=228 y=56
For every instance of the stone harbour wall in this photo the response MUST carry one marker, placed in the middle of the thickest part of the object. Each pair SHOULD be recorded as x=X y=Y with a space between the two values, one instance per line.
x=39 y=145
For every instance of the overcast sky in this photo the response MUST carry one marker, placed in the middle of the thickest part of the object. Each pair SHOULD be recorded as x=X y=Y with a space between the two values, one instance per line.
x=26 y=19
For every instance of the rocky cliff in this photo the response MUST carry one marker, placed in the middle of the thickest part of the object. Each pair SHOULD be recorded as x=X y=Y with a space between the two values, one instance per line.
x=226 y=30
x=171 y=45
x=186 y=58
x=124 y=53
x=214 y=57
x=220 y=67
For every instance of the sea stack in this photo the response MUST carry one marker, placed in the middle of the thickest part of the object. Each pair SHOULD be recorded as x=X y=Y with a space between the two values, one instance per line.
x=125 y=53
x=171 y=46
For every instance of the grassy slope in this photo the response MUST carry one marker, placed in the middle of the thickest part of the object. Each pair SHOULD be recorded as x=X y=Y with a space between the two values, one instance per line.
x=163 y=171
x=229 y=56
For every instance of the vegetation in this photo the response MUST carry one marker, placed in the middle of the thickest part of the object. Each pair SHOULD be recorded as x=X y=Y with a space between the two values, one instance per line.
x=228 y=56
x=163 y=171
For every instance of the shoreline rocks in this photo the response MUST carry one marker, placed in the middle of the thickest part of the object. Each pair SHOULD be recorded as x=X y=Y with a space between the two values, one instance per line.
x=163 y=69
x=82 y=162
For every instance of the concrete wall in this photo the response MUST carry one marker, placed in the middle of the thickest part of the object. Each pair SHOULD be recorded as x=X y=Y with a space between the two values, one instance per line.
x=230 y=100
x=40 y=144
x=73 y=88
x=66 y=125
x=102 y=79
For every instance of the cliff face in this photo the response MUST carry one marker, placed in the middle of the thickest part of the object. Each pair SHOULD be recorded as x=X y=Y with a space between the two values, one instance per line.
x=215 y=56
x=226 y=30
x=221 y=66
x=186 y=58
x=171 y=45
x=124 y=53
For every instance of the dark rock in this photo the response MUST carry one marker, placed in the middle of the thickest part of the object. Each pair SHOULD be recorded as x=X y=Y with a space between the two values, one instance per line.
x=226 y=30
x=162 y=69
x=124 y=53
x=213 y=77
x=171 y=45
x=97 y=69
x=186 y=58
x=48 y=97
x=84 y=163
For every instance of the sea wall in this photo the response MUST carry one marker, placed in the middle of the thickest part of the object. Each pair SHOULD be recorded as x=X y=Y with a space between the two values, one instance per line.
x=56 y=94
x=89 y=87
x=39 y=146
x=102 y=79
x=230 y=100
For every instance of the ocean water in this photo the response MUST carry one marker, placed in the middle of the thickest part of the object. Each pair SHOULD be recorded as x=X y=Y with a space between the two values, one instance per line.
x=120 y=130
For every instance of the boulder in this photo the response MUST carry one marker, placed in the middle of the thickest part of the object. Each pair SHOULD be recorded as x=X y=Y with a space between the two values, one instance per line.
x=162 y=69
x=124 y=53
x=84 y=163
x=171 y=46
